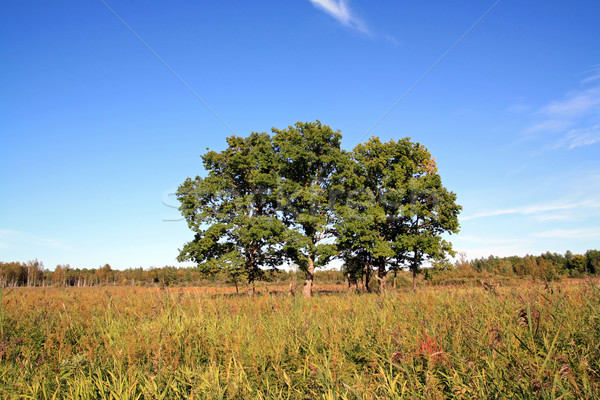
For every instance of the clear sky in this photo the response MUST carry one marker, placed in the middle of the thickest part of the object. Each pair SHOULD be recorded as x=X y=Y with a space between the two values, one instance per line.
x=106 y=107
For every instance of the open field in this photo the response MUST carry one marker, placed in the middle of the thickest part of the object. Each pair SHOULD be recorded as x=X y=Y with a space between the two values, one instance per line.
x=526 y=341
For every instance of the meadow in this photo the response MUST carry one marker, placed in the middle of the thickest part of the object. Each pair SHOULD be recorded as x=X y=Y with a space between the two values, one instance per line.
x=529 y=340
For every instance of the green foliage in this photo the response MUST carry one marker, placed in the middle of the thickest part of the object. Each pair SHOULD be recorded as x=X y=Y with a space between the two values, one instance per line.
x=233 y=210
x=547 y=266
x=309 y=160
x=395 y=208
x=593 y=261
x=298 y=194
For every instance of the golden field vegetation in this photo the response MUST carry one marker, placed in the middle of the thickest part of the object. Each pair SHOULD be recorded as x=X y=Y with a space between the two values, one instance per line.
x=530 y=340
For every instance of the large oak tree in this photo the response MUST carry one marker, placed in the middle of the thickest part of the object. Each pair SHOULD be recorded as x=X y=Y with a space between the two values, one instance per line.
x=395 y=208
x=297 y=195
x=309 y=159
x=233 y=210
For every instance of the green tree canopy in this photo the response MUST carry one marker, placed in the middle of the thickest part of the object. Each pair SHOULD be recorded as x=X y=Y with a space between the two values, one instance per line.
x=309 y=159
x=233 y=210
x=395 y=207
x=297 y=195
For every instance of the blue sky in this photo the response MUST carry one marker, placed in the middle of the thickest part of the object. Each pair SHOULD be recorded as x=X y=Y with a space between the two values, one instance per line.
x=106 y=107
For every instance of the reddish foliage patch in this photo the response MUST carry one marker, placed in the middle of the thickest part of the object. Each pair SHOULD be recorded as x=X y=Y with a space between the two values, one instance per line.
x=430 y=348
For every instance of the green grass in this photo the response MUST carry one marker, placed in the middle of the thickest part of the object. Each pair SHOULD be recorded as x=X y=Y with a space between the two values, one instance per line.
x=444 y=342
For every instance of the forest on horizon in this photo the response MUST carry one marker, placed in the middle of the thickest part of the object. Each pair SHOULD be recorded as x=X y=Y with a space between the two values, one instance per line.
x=547 y=266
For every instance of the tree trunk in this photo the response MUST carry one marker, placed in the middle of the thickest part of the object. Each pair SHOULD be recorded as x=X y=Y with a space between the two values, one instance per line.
x=416 y=263
x=352 y=283
x=310 y=275
x=381 y=275
x=251 y=268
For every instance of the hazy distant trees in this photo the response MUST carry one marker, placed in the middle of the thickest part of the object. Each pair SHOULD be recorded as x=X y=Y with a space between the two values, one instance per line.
x=547 y=266
x=30 y=273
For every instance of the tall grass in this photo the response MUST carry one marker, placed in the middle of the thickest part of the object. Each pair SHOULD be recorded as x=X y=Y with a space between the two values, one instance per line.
x=463 y=342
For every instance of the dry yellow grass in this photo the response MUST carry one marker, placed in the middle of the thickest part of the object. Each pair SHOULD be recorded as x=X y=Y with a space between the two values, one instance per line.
x=523 y=341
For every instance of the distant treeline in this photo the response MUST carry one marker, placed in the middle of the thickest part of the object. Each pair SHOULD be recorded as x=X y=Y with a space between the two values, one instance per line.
x=32 y=273
x=547 y=266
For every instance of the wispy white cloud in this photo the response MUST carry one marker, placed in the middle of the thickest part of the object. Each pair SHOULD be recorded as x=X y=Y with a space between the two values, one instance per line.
x=539 y=209
x=487 y=240
x=565 y=217
x=577 y=104
x=573 y=121
x=594 y=75
x=579 y=137
x=340 y=10
x=554 y=125
x=591 y=79
x=10 y=238
x=583 y=233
